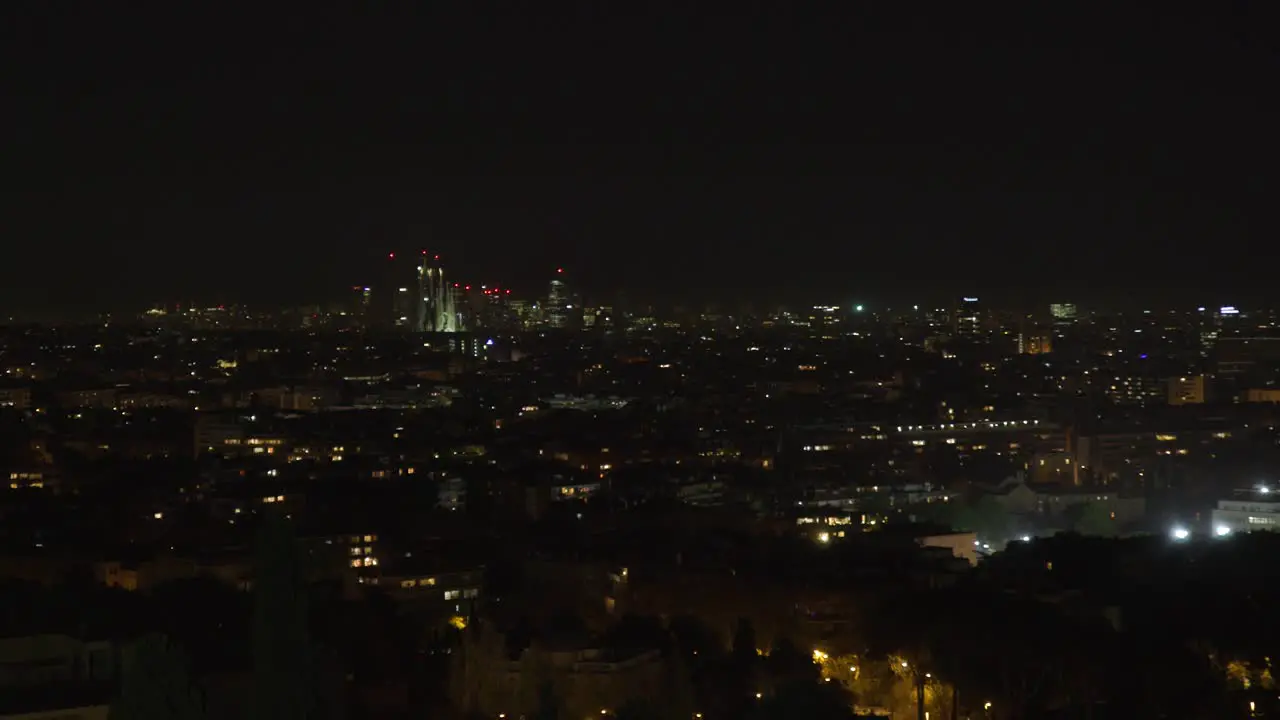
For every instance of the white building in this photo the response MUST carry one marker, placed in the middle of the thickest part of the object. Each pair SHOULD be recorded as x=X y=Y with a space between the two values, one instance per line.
x=1246 y=515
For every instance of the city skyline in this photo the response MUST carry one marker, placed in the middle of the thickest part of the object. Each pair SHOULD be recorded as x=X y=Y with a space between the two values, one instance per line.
x=606 y=360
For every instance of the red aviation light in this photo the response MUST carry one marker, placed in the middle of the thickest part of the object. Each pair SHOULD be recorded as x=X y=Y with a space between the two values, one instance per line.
x=391 y=256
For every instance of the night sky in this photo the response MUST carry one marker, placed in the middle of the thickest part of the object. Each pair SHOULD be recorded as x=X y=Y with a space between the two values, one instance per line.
x=164 y=152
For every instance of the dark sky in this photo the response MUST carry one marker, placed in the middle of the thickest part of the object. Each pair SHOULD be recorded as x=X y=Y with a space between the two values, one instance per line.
x=159 y=151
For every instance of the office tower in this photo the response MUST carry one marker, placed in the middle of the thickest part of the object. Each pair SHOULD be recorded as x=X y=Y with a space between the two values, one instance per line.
x=558 y=302
x=1187 y=390
x=1034 y=343
x=968 y=317
x=361 y=304
x=402 y=308
x=494 y=309
x=391 y=304
x=1063 y=312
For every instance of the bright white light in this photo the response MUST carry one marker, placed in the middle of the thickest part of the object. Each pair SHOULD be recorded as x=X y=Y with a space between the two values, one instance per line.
x=1026 y=538
x=1264 y=489
x=1222 y=531
x=1181 y=533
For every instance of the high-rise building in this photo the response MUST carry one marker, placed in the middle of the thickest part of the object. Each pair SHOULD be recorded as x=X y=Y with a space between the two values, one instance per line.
x=1063 y=312
x=402 y=308
x=1187 y=390
x=968 y=317
x=393 y=296
x=493 y=309
x=361 y=304
x=1034 y=343
x=558 y=302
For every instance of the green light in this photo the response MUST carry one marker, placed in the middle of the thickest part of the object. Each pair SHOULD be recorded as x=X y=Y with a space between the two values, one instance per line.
x=857 y=308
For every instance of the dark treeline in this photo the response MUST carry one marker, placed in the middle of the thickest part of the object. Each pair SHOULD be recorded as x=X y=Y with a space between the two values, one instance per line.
x=1066 y=627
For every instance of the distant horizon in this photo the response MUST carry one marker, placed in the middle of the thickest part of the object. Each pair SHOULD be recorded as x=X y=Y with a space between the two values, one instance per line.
x=871 y=305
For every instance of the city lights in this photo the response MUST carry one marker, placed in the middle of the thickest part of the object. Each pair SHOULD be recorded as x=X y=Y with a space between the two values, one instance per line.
x=253 y=427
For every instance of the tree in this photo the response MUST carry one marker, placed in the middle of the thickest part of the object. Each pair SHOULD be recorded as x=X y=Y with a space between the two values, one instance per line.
x=1090 y=519
x=741 y=681
x=548 y=704
x=286 y=671
x=208 y=618
x=157 y=684
x=807 y=699
x=638 y=709
x=695 y=638
x=639 y=632
x=788 y=663
x=681 y=700
x=983 y=515
x=744 y=642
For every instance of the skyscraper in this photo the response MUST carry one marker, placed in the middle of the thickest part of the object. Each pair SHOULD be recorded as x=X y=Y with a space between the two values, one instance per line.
x=1063 y=312
x=558 y=302
x=392 y=302
x=968 y=317
x=361 y=305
